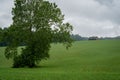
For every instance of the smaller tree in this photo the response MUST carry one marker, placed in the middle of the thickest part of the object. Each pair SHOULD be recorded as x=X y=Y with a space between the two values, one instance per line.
x=93 y=38
x=1 y=32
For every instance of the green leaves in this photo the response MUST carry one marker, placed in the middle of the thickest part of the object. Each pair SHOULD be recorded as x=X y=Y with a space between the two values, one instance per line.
x=1 y=34
x=37 y=23
x=10 y=52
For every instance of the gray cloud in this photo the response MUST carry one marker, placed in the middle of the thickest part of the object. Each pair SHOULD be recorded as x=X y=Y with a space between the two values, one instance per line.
x=5 y=12
x=89 y=17
x=112 y=12
x=106 y=2
x=92 y=17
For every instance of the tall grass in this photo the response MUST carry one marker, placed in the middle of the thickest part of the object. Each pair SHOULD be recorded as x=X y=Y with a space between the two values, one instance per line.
x=85 y=60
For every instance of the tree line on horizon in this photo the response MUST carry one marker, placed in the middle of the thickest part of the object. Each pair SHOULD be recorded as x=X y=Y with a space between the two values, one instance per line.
x=76 y=37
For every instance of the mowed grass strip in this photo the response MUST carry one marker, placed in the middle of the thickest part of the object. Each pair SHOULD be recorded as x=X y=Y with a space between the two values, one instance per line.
x=85 y=60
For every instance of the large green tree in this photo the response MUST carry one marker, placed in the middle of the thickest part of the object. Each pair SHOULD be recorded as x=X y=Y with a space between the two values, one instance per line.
x=36 y=23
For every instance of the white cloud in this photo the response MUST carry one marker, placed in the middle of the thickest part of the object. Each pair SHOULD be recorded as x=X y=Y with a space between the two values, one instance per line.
x=5 y=12
x=92 y=17
x=90 y=27
x=89 y=17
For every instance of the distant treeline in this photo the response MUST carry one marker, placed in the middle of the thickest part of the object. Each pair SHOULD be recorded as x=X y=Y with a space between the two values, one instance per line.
x=77 y=37
x=5 y=39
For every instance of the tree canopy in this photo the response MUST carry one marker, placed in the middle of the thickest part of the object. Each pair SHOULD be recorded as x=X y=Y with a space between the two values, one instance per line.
x=36 y=23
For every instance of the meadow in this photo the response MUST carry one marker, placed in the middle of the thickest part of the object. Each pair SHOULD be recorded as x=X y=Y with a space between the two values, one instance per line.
x=85 y=60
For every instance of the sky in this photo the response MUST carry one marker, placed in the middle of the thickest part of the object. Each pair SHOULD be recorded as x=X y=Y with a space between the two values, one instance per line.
x=88 y=17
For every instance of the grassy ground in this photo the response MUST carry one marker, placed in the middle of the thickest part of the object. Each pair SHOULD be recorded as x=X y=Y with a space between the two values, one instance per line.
x=85 y=60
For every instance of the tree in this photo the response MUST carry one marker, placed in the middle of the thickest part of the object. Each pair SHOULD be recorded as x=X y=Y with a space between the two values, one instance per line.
x=37 y=23
x=77 y=37
x=93 y=38
x=1 y=37
x=1 y=32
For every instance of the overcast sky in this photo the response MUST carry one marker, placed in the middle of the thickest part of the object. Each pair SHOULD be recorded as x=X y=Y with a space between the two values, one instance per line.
x=88 y=17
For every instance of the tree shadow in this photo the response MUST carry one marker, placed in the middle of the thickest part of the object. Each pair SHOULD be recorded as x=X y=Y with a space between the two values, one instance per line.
x=45 y=66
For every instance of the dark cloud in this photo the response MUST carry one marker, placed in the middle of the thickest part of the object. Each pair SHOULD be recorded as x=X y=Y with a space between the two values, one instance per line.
x=112 y=12
x=106 y=2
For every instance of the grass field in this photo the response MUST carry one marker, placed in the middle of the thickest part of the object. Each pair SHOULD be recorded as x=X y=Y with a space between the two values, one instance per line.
x=85 y=60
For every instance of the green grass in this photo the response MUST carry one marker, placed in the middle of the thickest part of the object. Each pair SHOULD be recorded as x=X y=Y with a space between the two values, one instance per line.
x=85 y=60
